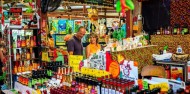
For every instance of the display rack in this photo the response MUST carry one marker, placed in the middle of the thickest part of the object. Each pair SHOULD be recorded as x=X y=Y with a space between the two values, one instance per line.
x=25 y=62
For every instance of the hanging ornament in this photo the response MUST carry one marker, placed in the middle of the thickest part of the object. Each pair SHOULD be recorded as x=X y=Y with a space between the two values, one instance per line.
x=123 y=5
x=93 y=14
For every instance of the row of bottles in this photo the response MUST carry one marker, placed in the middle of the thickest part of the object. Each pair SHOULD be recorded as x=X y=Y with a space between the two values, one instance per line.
x=25 y=66
x=53 y=66
x=24 y=41
x=24 y=54
x=34 y=79
x=172 y=31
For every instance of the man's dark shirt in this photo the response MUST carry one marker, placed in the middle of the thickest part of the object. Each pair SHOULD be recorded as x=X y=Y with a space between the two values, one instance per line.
x=75 y=45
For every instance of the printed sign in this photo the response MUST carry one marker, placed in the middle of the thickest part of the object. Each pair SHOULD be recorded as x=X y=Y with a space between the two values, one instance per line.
x=15 y=17
x=129 y=70
x=75 y=61
x=98 y=61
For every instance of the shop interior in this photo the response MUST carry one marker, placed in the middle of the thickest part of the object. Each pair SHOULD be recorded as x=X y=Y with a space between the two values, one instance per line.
x=94 y=47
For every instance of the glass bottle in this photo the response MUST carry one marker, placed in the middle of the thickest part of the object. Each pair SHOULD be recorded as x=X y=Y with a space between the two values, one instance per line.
x=110 y=86
x=30 y=66
x=34 y=42
x=27 y=41
x=123 y=89
x=19 y=67
x=31 y=41
x=18 y=42
x=107 y=87
x=103 y=86
x=118 y=88
x=23 y=42
x=28 y=57
x=17 y=55
x=161 y=31
x=179 y=49
x=16 y=67
x=32 y=53
x=23 y=54
x=22 y=66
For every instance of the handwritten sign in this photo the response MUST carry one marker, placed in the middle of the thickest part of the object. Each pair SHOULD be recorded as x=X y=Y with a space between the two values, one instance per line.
x=163 y=86
x=114 y=69
x=74 y=61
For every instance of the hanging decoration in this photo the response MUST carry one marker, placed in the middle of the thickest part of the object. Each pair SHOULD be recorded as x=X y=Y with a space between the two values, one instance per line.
x=123 y=5
x=93 y=14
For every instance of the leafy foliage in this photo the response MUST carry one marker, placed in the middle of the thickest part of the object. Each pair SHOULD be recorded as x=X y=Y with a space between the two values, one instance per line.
x=118 y=34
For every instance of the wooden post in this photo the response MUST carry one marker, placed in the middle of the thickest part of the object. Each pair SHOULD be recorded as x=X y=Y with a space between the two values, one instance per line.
x=128 y=22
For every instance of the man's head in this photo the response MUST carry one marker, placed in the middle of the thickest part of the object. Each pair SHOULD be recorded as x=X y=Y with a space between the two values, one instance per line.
x=81 y=32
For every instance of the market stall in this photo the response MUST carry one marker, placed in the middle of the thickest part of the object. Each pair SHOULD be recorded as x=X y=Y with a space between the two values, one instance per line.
x=90 y=47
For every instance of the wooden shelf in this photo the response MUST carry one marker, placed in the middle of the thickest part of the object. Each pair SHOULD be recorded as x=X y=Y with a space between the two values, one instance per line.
x=85 y=4
x=24 y=47
x=26 y=59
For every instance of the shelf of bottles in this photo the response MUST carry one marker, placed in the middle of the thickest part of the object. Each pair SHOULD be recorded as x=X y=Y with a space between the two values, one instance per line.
x=24 y=51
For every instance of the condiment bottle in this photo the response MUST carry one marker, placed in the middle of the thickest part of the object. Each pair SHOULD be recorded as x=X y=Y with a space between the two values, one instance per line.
x=22 y=67
x=17 y=55
x=18 y=42
x=28 y=57
x=23 y=42
x=23 y=54
x=106 y=91
x=31 y=41
x=27 y=41
x=118 y=90
x=110 y=86
x=103 y=86
x=19 y=67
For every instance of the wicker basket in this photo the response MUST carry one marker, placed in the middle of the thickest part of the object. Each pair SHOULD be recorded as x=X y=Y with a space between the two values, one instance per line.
x=180 y=57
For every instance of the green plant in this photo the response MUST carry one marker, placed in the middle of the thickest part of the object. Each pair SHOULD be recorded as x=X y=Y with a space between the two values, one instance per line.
x=118 y=34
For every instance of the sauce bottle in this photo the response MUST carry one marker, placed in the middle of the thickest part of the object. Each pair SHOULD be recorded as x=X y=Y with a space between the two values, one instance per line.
x=17 y=55
x=23 y=42
x=18 y=42
x=28 y=57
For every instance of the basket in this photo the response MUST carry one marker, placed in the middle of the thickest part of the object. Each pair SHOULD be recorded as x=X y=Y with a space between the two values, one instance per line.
x=180 y=57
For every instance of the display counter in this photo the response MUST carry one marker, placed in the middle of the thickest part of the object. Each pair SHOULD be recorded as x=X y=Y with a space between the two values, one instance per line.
x=24 y=89
x=142 y=55
x=172 y=41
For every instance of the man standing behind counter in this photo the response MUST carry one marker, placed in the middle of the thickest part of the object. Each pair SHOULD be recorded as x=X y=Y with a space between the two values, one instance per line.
x=74 y=45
